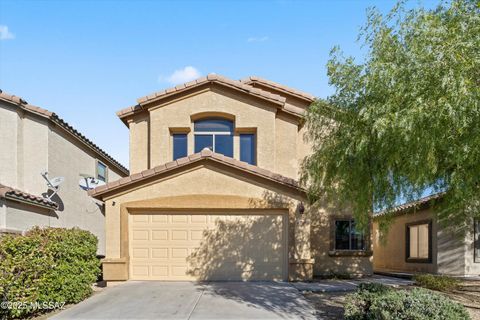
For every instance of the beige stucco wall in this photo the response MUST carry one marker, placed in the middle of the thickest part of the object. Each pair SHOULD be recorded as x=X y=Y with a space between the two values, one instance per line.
x=329 y=262
x=139 y=141
x=8 y=141
x=228 y=186
x=391 y=254
x=452 y=253
x=32 y=145
x=471 y=267
x=191 y=182
x=279 y=147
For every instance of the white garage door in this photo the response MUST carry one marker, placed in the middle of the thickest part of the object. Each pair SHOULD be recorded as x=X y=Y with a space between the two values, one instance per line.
x=207 y=246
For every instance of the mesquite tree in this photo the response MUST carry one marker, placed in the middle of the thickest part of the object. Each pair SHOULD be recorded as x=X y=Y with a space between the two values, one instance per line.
x=406 y=117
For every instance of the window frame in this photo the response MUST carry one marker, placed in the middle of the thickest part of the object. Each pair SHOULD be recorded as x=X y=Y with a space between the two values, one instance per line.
x=408 y=259
x=254 y=140
x=214 y=133
x=97 y=163
x=334 y=236
x=173 y=134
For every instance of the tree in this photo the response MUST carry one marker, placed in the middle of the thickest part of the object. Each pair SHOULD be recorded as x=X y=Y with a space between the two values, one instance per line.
x=404 y=119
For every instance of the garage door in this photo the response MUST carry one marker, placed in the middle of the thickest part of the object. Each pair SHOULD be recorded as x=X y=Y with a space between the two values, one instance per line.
x=207 y=246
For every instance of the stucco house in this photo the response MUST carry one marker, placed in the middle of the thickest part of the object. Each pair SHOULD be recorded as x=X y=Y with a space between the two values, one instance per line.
x=213 y=191
x=417 y=243
x=34 y=141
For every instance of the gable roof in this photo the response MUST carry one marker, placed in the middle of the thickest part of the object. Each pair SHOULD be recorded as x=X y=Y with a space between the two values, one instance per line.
x=238 y=85
x=252 y=80
x=21 y=196
x=53 y=117
x=204 y=155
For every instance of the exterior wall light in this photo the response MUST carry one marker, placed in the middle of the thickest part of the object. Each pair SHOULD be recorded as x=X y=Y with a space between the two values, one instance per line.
x=301 y=208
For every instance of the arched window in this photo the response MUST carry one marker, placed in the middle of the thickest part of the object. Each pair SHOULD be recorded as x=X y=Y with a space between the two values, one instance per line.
x=215 y=134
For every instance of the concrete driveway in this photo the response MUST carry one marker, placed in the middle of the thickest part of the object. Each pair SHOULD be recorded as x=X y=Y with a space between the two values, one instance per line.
x=187 y=300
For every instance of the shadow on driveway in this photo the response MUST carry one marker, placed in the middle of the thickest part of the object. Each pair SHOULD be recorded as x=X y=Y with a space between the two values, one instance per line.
x=188 y=300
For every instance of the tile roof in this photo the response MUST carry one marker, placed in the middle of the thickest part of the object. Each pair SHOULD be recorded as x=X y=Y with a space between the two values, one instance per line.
x=421 y=203
x=19 y=102
x=300 y=94
x=204 y=155
x=17 y=195
x=211 y=78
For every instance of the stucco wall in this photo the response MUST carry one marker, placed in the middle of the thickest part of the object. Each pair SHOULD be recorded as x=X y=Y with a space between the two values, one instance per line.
x=279 y=147
x=32 y=145
x=471 y=267
x=139 y=140
x=194 y=182
x=329 y=262
x=34 y=158
x=391 y=255
x=452 y=252
x=8 y=143
x=69 y=160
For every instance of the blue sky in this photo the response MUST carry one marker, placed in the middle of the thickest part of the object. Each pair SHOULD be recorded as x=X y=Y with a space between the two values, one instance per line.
x=85 y=60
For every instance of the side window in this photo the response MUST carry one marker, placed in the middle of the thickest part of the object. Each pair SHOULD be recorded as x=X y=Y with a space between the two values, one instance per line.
x=179 y=145
x=102 y=171
x=248 y=148
x=418 y=246
x=347 y=237
x=476 y=241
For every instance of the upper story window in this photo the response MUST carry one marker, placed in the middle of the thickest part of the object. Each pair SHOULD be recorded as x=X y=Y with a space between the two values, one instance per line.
x=347 y=236
x=247 y=148
x=215 y=134
x=179 y=145
x=102 y=171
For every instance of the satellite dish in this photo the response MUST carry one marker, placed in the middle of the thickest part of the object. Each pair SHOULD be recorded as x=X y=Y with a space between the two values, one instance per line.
x=52 y=184
x=87 y=183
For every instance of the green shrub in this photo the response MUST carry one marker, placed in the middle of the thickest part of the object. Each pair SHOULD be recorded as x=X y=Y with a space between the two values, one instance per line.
x=440 y=283
x=46 y=266
x=375 y=301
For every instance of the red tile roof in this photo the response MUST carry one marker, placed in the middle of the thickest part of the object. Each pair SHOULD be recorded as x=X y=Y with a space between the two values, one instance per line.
x=419 y=204
x=214 y=78
x=17 y=195
x=21 y=103
x=252 y=80
x=204 y=155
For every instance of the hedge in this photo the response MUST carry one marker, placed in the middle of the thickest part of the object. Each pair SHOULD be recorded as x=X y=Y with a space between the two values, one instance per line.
x=51 y=265
x=376 y=301
x=434 y=282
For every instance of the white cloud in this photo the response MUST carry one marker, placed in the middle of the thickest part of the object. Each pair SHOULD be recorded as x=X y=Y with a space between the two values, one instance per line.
x=257 y=39
x=186 y=74
x=5 y=34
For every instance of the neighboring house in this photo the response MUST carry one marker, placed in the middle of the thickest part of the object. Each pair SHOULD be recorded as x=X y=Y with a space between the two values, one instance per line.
x=417 y=243
x=33 y=141
x=213 y=191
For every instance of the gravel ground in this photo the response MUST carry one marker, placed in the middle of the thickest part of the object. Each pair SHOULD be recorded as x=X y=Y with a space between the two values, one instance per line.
x=329 y=305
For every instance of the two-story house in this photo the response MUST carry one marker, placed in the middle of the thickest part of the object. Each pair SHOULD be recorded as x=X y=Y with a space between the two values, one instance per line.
x=35 y=141
x=213 y=191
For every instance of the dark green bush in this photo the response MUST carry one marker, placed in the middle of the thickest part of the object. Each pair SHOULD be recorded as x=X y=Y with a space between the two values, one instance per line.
x=375 y=301
x=440 y=283
x=45 y=266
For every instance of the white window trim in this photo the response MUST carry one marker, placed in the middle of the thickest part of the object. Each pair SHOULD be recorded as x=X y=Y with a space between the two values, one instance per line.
x=213 y=134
